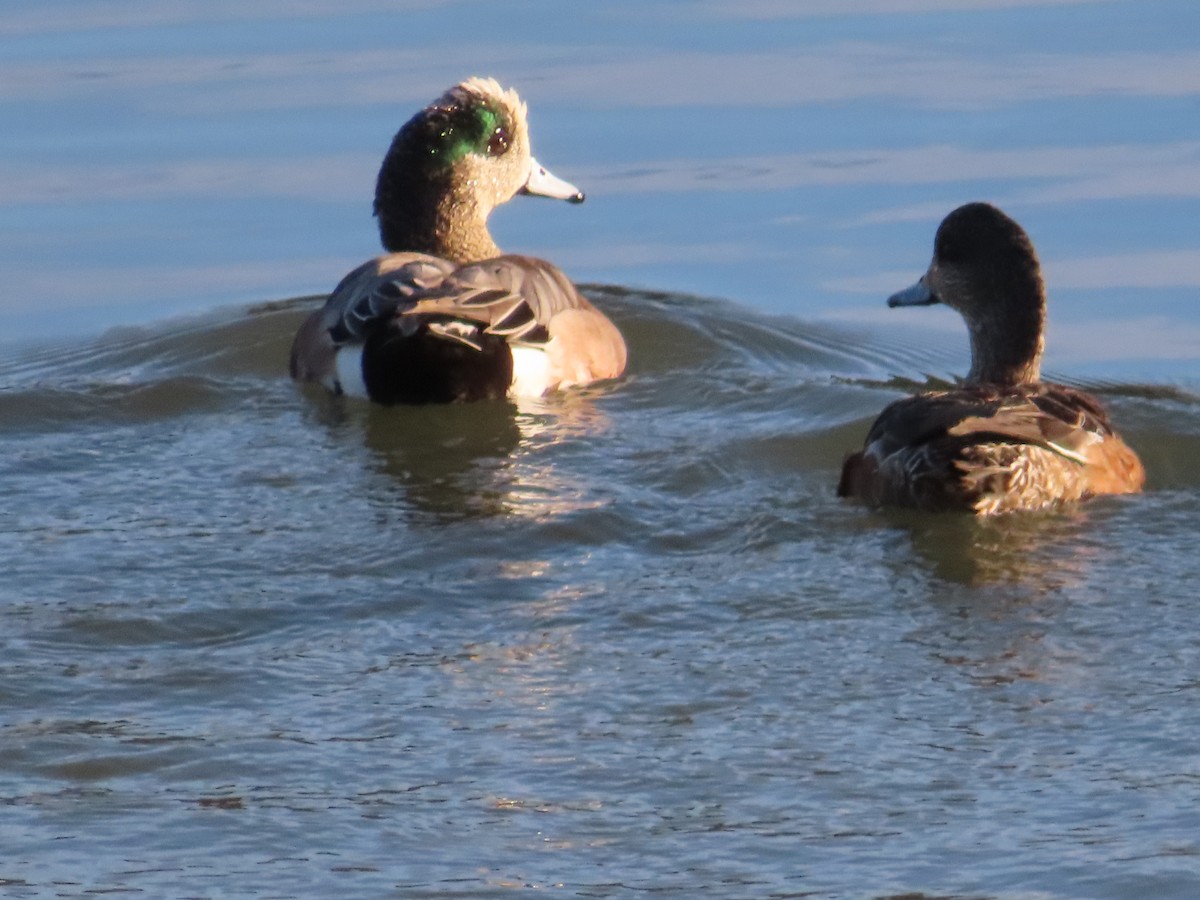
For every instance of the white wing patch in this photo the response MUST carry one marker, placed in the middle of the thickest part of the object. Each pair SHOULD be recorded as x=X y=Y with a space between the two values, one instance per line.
x=531 y=372
x=348 y=368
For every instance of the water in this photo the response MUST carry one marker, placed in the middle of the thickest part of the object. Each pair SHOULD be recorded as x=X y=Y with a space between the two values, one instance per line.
x=626 y=641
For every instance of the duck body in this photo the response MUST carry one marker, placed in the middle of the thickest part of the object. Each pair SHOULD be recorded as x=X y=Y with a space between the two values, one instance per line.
x=991 y=449
x=1003 y=440
x=414 y=328
x=444 y=316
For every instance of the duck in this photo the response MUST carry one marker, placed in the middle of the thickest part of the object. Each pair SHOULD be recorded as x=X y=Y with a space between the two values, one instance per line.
x=443 y=315
x=1002 y=440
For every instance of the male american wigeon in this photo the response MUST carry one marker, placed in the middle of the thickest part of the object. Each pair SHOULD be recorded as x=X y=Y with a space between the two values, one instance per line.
x=443 y=316
x=1003 y=440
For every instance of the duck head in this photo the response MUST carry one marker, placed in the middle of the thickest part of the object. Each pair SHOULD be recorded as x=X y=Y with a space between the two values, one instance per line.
x=984 y=265
x=454 y=162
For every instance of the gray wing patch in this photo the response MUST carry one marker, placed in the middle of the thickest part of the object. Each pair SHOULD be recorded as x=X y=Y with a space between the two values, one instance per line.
x=513 y=297
x=375 y=292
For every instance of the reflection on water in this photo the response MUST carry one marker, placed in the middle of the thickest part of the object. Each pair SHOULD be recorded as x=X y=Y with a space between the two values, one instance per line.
x=450 y=465
x=482 y=460
x=467 y=461
x=191 y=157
x=1042 y=552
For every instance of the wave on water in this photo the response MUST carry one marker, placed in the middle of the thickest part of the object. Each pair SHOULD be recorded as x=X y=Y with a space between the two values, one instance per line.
x=701 y=370
x=177 y=366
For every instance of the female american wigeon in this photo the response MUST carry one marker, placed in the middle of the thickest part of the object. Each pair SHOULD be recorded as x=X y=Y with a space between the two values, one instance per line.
x=1003 y=440
x=443 y=316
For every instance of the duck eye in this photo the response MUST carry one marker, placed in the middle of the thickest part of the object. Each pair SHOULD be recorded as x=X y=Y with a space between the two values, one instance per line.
x=498 y=142
x=949 y=251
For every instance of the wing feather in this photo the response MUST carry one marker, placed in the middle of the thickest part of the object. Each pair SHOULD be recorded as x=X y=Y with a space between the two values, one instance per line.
x=513 y=298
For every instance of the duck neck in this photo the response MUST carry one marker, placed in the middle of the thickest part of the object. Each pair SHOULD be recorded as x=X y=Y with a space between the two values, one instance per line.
x=420 y=215
x=1007 y=344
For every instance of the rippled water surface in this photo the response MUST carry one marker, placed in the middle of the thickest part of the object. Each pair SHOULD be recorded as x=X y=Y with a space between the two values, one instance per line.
x=258 y=642
x=623 y=642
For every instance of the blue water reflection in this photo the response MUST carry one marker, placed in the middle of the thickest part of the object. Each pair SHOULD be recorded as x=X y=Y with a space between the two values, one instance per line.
x=158 y=159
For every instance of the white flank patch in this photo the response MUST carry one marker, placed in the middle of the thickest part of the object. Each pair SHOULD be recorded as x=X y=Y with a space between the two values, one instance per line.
x=348 y=364
x=531 y=372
